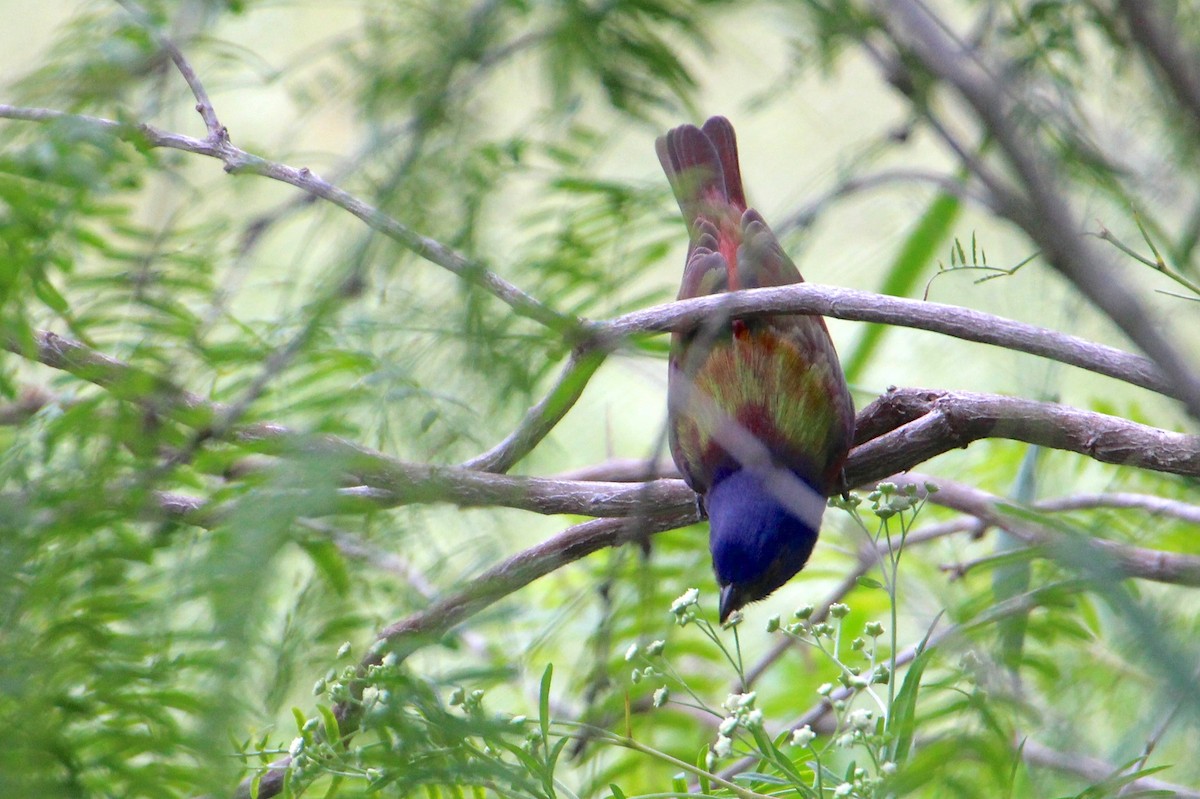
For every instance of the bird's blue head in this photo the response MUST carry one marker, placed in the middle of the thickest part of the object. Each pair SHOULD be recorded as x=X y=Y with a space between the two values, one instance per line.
x=764 y=526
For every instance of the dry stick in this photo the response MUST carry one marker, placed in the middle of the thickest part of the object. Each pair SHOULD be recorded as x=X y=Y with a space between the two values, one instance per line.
x=803 y=217
x=238 y=161
x=622 y=470
x=1044 y=213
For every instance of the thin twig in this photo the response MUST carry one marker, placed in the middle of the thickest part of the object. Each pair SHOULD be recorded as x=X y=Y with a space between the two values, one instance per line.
x=238 y=161
x=542 y=417
x=948 y=184
x=1157 y=263
x=1123 y=560
x=204 y=106
x=1156 y=506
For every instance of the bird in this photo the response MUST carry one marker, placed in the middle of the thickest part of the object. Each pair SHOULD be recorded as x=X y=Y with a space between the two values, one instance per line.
x=760 y=419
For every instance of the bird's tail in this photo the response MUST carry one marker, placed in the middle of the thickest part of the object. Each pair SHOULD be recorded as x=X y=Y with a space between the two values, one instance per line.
x=702 y=166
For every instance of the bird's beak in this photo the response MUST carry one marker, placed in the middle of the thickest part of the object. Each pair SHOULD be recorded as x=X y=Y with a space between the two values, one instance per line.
x=729 y=601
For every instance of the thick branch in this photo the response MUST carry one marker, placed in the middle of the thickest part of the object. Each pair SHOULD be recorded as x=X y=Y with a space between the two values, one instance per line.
x=897 y=432
x=925 y=423
x=862 y=306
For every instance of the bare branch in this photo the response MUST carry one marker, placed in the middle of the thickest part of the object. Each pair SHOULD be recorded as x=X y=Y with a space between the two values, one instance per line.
x=408 y=483
x=126 y=382
x=238 y=161
x=898 y=431
x=1044 y=213
x=516 y=572
x=622 y=470
x=862 y=306
x=925 y=423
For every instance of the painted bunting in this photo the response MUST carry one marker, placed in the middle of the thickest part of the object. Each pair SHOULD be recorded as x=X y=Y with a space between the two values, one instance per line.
x=760 y=416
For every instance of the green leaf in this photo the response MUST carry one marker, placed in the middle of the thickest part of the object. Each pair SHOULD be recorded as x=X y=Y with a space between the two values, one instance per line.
x=335 y=786
x=903 y=716
x=329 y=560
x=544 y=703
x=333 y=732
x=47 y=293
x=761 y=778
